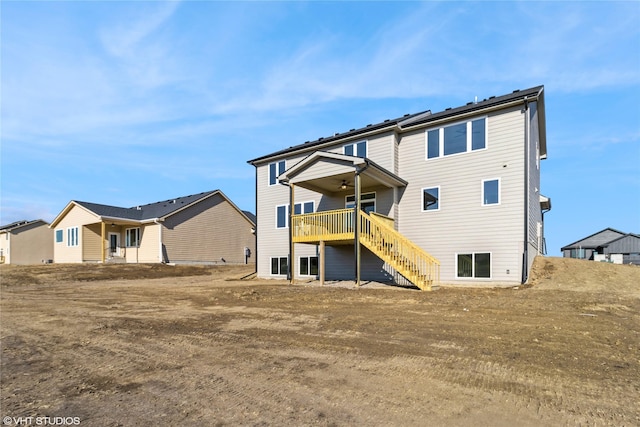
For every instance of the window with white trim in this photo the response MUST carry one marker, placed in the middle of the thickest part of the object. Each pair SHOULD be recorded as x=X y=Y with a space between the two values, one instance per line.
x=367 y=202
x=431 y=199
x=308 y=266
x=491 y=191
x=358 y=149
x=72 y=236
x=456 y=138
x=59 y=236
x=132 y=237
x=275 y=170
x=473 y=265
x=279 y=266
x=282 y=212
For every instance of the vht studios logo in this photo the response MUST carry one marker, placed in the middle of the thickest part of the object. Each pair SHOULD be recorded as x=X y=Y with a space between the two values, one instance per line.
x=41 y=421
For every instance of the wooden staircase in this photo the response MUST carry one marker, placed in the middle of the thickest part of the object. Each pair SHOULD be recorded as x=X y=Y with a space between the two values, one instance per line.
x=407 y=258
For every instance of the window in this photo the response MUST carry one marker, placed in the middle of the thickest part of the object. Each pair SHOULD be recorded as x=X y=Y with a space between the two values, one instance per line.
x=132 y=237
x=279 y=266
x=578 y=253
x=478 y=134
x=491 y=192
x=59 y=236
x=476 y=265
x=367 y=202
x=308 y=266
x=303 y=208
x=431 y=199
x=457 y=138
x=275 y=170
x=282 y=212
x=72 y=236
x=358 y=149
x=281 y=216
x=433 y=144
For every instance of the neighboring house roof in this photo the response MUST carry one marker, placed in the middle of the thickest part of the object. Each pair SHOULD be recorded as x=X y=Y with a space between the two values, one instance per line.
x=601 y=238
x=424 y=118
x=148 y=212
x=19 y=224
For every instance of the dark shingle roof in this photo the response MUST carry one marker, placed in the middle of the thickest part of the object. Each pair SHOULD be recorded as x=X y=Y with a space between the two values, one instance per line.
x=19 y=224
x=423 y=117
x=145 y=212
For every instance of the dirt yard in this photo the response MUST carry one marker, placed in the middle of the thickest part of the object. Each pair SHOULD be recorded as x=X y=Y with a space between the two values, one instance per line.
x=115 y=345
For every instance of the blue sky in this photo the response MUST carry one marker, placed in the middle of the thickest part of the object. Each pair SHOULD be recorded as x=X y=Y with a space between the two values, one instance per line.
x=125 y=103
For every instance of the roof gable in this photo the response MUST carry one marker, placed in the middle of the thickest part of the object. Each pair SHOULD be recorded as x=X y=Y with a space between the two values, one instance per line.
x=595 y=240
x=20 y=224
x=144 y=213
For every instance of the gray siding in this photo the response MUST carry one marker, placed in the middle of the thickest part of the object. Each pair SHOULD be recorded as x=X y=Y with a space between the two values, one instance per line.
x=462 y=224
x=625 y=245
x=274 y=242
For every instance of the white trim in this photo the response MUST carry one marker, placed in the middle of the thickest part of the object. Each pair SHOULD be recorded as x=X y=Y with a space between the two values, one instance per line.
x=271 y=263
x=118 y=244
x=482 y=203
x=473 y=256
x=286 y=217
x=138 y=237
x=73 y=237
x=355 y=148
x=308 y=266
x=278 y=171
x=422 y=199
x=469 y=137
x=55 y=237
x=288 y=212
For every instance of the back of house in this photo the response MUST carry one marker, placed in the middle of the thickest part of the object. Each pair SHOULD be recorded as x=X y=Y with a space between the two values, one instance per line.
x=459 y=189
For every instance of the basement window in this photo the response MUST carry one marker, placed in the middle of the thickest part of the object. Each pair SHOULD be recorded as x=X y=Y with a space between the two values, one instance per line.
x=279 y=266
x=308 y=266
x=473 y=265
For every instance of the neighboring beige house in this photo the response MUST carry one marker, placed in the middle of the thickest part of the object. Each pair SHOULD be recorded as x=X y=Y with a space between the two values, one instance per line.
x=451 y=197
x=200 y=228
x=26 y=242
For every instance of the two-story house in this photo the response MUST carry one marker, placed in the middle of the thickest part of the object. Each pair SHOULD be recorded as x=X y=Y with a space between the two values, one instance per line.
x=448 y=197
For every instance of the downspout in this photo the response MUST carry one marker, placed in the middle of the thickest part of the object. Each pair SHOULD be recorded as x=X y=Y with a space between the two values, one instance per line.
x=525 y=254
x=160 y=257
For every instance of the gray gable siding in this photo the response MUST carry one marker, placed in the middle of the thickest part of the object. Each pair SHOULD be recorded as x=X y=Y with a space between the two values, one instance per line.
x=624 y=245
x=595 y=240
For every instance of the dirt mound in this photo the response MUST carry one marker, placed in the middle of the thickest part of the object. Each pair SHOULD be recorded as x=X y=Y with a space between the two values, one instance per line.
x=580 y=275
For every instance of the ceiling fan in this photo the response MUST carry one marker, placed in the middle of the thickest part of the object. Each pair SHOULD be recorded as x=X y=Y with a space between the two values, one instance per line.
x=344 y=185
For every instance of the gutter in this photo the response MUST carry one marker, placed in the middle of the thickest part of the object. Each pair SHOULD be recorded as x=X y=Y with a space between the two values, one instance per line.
x=525 y=254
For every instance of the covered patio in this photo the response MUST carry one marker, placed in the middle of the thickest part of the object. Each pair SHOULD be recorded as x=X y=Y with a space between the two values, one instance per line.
x=333 y=175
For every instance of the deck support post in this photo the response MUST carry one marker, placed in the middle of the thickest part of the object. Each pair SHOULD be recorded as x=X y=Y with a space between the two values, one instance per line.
x=356 y=229
x=291 y=270
x=321 y=262
x=102 y=240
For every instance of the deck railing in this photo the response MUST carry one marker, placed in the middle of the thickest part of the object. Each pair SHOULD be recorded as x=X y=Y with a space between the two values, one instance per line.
x=326 y=225
x=376 y=234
